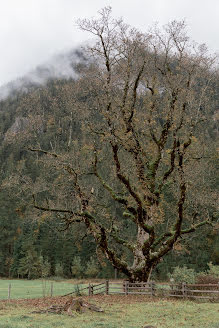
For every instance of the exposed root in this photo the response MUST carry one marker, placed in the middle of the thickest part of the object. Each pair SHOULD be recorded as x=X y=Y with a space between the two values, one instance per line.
x=71 y=307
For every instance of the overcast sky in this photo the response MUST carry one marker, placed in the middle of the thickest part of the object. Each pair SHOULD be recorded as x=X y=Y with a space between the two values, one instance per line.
x=32 y=31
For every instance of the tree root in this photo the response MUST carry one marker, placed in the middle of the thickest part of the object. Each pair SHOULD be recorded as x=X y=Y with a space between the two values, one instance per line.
x=71 y=307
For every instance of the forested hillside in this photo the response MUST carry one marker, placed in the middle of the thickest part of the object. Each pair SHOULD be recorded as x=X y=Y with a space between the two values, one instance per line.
x=45 y=116
x=56 y=119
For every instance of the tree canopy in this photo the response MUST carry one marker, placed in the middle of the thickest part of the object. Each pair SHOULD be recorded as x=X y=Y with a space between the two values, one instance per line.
x=133 y=178
x=122 y=157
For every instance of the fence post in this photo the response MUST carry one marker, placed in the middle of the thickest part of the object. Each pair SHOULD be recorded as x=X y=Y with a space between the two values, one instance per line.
x=171 y=286
x=183 y=290
x=178 y=289
x=107 y=287
x=186 y=289
x=91 y=290
x=9 y=292
x=152 y=288
x=51 y=290
x=126 y=287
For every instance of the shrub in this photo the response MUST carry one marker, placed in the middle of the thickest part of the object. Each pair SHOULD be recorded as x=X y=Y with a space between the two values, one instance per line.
x=209 y=277
x=213 y=270
x=183 y=274
x=206 y=279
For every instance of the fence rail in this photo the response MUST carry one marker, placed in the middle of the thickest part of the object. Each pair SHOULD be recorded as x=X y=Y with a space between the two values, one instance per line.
x=152 y=289
x=192 y=291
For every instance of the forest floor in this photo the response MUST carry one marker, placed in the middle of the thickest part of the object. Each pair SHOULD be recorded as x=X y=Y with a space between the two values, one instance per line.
x=119 y=312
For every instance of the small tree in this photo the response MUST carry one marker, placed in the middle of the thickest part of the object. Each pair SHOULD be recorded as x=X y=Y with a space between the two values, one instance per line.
x=77 y=268
x=145 y=99
x=92 y=268
x=29 y=265
x=59 y=270
x=45 y=267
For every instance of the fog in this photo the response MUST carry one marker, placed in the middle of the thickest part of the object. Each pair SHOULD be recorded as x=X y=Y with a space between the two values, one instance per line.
x=60 y=66
x=35 y=33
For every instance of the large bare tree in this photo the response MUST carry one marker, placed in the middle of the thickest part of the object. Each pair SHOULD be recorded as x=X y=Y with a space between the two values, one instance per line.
x=132 y=179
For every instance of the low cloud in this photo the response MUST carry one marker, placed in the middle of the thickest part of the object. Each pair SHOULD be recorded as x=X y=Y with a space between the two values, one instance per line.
x=60 y=66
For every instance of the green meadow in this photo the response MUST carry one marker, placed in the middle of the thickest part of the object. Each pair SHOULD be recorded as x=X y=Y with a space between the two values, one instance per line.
x=35 y=288
x=119 y=312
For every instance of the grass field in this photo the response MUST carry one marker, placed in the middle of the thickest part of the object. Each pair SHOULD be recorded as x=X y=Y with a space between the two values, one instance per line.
x=21 y=288
x=120 y=312
x=34 y=288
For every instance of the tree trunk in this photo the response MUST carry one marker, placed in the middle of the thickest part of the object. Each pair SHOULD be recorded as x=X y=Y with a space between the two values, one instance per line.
x=141 y=266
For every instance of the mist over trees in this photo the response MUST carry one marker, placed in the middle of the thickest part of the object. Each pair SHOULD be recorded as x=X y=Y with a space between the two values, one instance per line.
x=121 y=158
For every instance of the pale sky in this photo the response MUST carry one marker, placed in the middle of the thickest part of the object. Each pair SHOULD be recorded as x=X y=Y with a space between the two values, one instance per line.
x=32 y=31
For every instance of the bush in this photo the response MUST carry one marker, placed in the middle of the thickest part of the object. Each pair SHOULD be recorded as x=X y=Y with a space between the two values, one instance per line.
x=209 y=277
x=183 y=274
x=213 y=270
x=206 y=279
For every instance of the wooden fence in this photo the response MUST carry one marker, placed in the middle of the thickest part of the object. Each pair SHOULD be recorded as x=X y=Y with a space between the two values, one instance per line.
x=191 y=291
